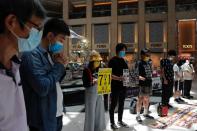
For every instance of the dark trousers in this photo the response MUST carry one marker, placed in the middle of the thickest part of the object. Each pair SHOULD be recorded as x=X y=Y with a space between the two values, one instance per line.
x=187 y=87
x=167 y=92
x=106 y=102
x=117 y=96
x=33 y=129
x=180 y=85
x=59 y=125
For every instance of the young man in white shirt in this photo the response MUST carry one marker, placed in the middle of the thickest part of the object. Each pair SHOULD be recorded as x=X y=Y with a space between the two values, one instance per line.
x=188 y=75
x=178 y=81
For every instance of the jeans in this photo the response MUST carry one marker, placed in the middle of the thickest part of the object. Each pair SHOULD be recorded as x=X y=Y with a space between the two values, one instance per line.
x=59 y=125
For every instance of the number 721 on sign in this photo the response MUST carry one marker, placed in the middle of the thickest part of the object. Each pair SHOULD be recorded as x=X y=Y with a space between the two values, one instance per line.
x=104 y=81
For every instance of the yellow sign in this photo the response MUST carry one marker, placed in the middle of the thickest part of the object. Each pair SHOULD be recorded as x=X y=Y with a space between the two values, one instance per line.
x=104 y=81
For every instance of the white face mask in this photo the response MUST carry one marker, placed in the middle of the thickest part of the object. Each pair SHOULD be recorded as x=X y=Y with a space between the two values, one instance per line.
x=30 y=43
x=171 y=58
x=187 y=62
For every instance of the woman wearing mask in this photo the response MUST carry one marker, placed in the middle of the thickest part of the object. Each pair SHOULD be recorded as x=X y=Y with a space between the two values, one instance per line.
x=145 y=84
x=94 y=105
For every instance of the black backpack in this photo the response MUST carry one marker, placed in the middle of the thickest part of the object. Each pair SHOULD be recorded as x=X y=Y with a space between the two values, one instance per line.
x=133 y=106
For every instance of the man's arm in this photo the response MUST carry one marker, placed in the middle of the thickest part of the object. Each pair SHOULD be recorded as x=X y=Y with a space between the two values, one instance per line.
x=163 y=72
x=40 y=80
x=114 y=77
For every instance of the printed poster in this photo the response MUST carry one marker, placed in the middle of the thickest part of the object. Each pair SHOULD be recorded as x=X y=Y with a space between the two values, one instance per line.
x=104 y=81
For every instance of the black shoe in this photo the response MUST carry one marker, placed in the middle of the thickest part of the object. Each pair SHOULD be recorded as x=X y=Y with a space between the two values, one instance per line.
x=177 y=100
x=147 y=116
x=186 y=97
x=169 y=106
x=181 y=100
x=114 y=127
x=138 y=119
x=191 y=97
x=122 y=124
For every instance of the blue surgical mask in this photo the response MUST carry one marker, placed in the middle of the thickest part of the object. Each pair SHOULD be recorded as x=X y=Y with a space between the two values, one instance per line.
x=122 y=54
x=35 y=37
x=57 y=47
x=30 y=43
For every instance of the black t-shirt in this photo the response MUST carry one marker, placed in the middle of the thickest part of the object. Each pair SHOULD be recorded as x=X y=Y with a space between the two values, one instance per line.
x=167 y=65
x=117 y=64
x=145 y=71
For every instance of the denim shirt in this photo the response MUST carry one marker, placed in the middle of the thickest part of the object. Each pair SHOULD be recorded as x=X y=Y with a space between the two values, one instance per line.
x=12 y=105
x=39 y=80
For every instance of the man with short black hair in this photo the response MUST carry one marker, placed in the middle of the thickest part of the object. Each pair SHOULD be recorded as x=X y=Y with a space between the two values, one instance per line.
x=167 y=75
x=41 y=73
x=18 y=19
x=118 y=91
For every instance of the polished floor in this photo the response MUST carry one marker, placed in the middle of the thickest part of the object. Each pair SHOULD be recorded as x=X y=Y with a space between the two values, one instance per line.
x=74 y=118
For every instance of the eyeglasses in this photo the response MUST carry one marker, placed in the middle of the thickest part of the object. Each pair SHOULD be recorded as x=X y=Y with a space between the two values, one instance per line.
x=39 y=28
x=35 y=25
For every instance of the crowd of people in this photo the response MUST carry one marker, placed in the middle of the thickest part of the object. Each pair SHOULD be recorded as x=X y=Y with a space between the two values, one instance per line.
x=176 y=77
x=32 y=67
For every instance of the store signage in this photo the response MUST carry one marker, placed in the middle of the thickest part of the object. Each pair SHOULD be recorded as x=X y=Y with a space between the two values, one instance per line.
x=129 y=45
x=187 y=46
x=101 y=46
x=156 y=45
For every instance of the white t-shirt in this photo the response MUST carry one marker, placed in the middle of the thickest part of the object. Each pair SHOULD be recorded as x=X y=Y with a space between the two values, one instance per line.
x=12 y=104
x=59 y=95
x=178 y=74
x=188 y=71
x=59 y=100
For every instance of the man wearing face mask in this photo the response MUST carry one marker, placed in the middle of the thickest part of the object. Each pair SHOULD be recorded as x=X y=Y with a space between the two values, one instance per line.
x=188 y=76
x=41 y=73
x=145 y=84
x=17 y=19
x=167 y=76
x=118 y=91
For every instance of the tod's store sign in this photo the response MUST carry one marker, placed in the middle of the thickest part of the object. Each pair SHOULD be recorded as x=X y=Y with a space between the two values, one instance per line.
x=187 y=46
x=186 y=34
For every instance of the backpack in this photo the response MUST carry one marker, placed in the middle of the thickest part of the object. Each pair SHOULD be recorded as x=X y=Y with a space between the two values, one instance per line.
x=162 y=110
x=133 y=106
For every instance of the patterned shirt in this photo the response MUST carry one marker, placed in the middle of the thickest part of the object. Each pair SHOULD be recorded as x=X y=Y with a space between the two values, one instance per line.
x=167 y=65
